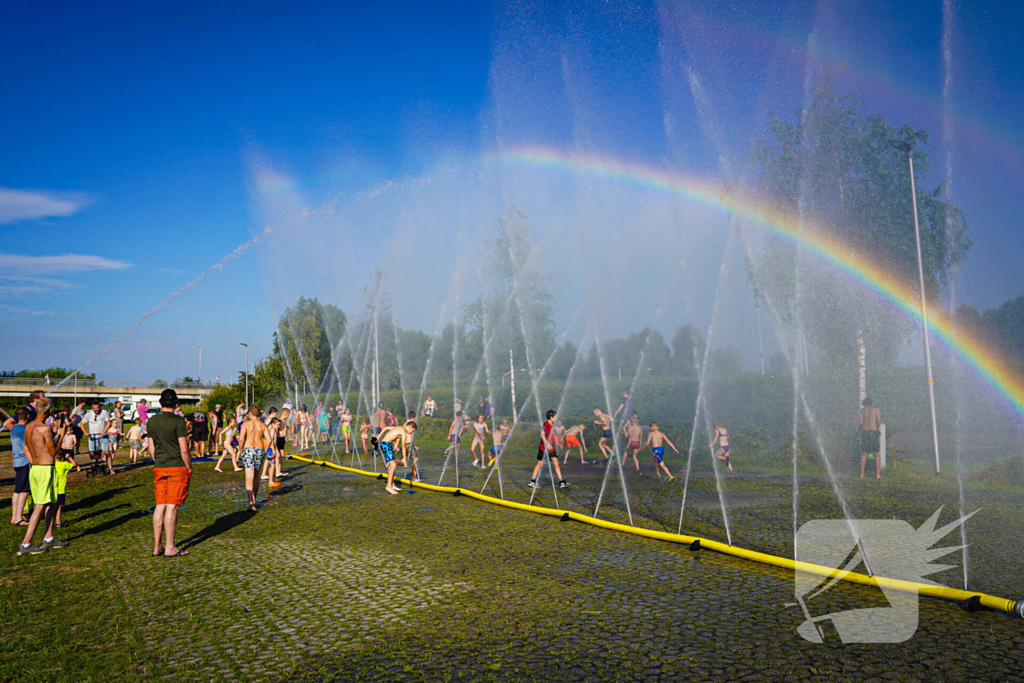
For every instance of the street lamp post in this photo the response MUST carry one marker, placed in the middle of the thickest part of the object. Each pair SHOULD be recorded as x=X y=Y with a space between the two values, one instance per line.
x=200 y=363
x=246 y=373
x=904 y=146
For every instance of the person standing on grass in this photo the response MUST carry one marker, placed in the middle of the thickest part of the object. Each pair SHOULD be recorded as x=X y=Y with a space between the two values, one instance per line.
x=604 y=425
x=546 y=449
x=217 y=428
x=364 y=432
x=346 y=428
x=64 y=464
x=42 y=479
x=870 y=436
x=480 y=433
x=634 y=437
x=414 y=459
x=30 y=407
x=143 y=413
x=97 y=421
x=134 y=441
x=657 y=440
x=77 y=415
x=200 y=432
x=167 y=444
x=254 y=438
x=498 y=442
x=22 y=465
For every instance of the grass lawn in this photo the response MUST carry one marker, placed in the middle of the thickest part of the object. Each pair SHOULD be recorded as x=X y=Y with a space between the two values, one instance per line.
x=334 y=579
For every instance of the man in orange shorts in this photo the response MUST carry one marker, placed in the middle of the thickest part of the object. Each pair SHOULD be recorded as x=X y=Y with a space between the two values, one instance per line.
x=167 y=443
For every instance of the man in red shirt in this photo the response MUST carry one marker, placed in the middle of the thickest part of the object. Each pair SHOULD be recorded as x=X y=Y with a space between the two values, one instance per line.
x=546 y=449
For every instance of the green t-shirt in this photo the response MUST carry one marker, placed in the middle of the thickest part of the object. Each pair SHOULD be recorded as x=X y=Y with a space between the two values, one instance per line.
x=165 y=429
x=62 y=468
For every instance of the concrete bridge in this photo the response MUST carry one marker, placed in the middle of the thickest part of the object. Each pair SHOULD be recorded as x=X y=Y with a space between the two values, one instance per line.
x=107 y=392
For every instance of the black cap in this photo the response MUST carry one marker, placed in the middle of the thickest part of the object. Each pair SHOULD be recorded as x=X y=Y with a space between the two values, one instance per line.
x=168 y=398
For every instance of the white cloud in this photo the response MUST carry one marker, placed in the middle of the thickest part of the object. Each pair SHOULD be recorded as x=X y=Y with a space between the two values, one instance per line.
x=21 y=205
x=64 y=263
x=15 y=286
x=22 y=275
x=16 y=312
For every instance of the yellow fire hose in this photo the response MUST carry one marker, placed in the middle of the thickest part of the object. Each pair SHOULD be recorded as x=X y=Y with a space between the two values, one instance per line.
x=943 y=592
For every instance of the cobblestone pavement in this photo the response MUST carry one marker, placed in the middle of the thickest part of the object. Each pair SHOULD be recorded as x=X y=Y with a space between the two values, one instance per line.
x=335 y=580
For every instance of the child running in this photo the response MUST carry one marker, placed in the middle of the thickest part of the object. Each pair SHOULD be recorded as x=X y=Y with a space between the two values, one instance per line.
x=604 y=423
x=500 y=435
x=634 y=437
x=574 y=439
x=546 y=449
x=388 y=439
x=722 y=437
x=480 y=432
x=657 y=440
x=455 y=430
x=227 y=436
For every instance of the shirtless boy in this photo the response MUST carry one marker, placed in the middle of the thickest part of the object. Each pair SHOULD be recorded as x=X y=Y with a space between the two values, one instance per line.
x=455 y=430
x=657 y=440
x=870 y=436
x=42 y=478
x=574 y=439
x=389 y=438
x=480 y=433
x=500 y=435
x=604 y=424
x=253 y=437
x=722 y=438
x=634 y=437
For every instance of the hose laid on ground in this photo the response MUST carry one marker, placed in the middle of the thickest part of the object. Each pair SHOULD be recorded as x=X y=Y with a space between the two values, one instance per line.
x=1015 y=607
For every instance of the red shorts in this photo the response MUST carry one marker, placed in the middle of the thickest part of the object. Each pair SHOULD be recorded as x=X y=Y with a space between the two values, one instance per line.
x=571 y=441
x=171 y=485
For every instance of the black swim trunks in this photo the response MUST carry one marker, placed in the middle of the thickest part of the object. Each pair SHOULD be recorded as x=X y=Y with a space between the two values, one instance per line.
x=870 y=441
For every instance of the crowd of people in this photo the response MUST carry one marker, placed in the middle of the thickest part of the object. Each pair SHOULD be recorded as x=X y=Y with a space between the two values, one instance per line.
x=46 y=441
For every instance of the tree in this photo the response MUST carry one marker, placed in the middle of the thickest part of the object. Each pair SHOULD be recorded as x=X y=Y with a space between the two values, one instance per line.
x=518 y=311
x=307 y=340
x=834 y=169
x=687 y=350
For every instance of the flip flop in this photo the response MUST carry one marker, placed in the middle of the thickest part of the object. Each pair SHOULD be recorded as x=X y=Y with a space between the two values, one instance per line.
x=20 y=523
x=180 y=553
x=159 y=554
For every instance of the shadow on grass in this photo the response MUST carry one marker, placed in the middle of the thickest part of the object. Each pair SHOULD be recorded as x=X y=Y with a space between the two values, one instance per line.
x=98 y=498
x=217 y=527
x=96 y=513
x=114 y=523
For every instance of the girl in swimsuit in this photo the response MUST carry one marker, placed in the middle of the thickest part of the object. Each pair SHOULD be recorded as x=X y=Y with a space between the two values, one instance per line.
x=227 y=435
x=346 y=428
x=722 y=438
x=480 y=429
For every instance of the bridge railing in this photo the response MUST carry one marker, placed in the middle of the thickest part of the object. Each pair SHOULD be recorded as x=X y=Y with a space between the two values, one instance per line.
x=83 y=382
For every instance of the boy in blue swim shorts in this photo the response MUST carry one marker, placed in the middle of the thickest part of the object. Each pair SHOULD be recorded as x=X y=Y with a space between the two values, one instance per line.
x=657 y=440
x=386 y=443
x=604 y=423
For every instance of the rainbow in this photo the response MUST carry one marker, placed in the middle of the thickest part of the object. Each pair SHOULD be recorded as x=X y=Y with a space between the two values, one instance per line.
x=987 y=363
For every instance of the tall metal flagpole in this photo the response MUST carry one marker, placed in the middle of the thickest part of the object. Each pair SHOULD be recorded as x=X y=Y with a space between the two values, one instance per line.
x=904 y=146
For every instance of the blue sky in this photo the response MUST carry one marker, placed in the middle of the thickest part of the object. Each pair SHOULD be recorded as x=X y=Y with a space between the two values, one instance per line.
x=136 y=138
